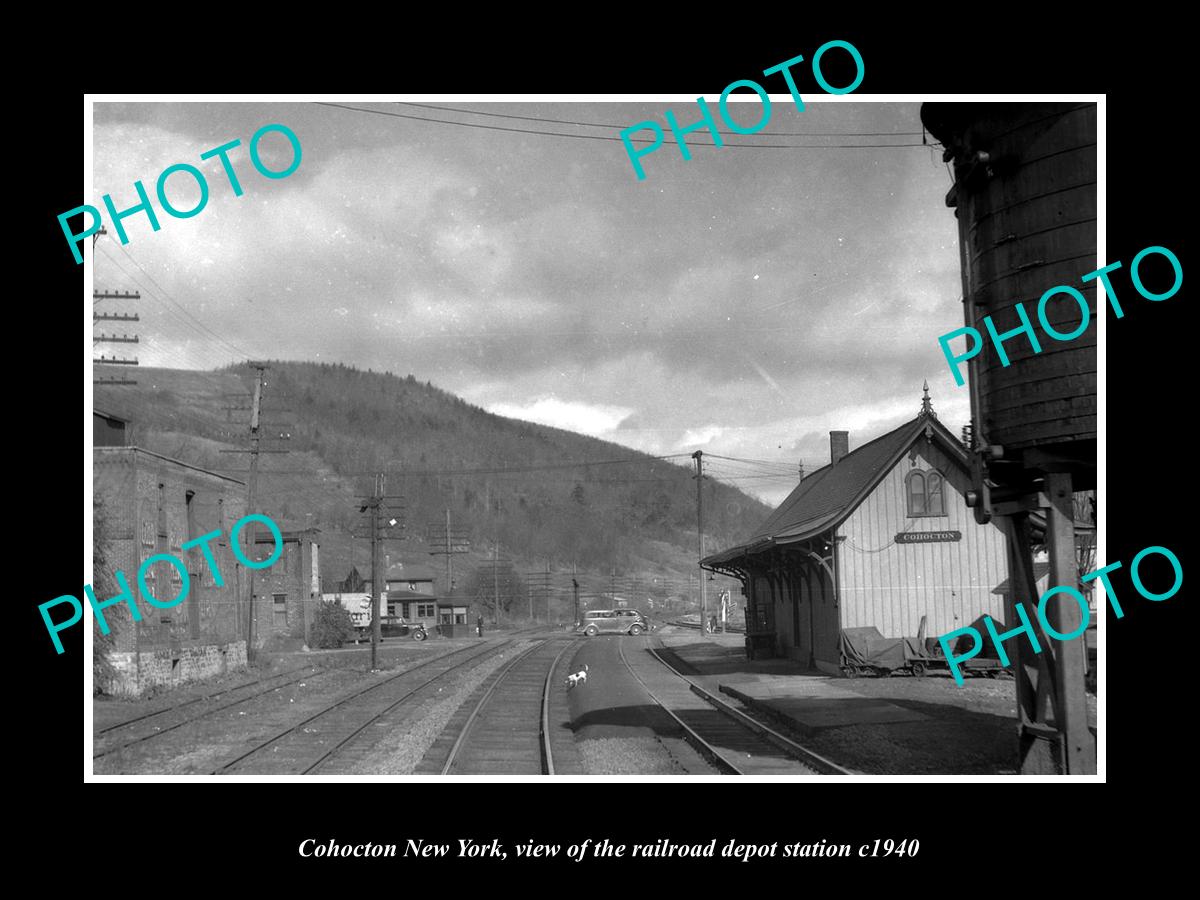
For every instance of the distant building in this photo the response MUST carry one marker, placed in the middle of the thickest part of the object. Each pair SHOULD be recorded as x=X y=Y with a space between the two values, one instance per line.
x=880 y=537
x=353 y=583
x=285 y=592
x=412 y=595
x=411 y=592
x=108 y=430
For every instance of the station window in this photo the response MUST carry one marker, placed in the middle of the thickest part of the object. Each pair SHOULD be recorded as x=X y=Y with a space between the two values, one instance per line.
x=426 y=611
x=280 y=608
x=925 y=493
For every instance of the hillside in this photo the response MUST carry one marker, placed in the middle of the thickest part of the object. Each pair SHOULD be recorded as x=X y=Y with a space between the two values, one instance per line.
x=547 y=496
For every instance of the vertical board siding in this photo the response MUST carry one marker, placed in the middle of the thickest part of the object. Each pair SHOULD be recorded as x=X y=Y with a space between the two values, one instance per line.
x=892 y=585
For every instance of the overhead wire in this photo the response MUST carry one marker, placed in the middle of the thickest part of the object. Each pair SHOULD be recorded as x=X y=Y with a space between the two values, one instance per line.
x=477 y=112
x=206 y=355
x=600 y=137
x=232 y=346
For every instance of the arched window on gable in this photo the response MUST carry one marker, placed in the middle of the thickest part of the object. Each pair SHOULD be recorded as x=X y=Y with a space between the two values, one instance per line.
x=916 y=493
x=935 y=504
x=925 y=492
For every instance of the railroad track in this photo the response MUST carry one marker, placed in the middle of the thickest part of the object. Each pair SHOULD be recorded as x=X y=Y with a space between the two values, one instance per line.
x=507 y=728
x=310 y=743
x=163 y=721
x=732 y=741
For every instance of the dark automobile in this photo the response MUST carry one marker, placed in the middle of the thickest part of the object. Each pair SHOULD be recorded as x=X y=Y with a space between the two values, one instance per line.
x=613 y=621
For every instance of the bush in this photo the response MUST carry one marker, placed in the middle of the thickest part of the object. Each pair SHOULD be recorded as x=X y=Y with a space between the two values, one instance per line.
x=332 y=625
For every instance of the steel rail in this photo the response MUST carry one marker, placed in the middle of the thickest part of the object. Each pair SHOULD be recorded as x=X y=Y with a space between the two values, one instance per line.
x=786 y=744
x=462 y=735
x=548 y=758
x=691 y=735
x=278 y=736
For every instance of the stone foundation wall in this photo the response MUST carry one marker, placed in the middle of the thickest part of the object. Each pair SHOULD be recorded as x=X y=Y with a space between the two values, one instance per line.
x=173 y=667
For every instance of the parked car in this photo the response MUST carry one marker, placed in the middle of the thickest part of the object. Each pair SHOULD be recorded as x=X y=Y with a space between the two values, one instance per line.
x=613 y=621
x=394 y=626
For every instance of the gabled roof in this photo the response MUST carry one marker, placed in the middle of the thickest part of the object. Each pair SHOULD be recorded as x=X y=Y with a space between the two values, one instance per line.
x=96 y=411
x=828 y=496
x=402 y=571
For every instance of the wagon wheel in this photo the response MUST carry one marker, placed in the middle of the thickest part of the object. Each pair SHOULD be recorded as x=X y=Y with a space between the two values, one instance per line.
x=918 y=669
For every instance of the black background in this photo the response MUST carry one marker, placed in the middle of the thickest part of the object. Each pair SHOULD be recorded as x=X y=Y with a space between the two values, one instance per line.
x=971 y=835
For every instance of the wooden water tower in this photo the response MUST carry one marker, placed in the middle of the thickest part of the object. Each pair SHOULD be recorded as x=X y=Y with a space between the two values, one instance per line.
x=1024 y=195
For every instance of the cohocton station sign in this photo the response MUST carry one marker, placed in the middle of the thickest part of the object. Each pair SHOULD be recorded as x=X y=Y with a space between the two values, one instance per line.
x=927 y=537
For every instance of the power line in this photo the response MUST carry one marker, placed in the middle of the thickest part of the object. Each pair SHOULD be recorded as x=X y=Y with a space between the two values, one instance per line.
x=599 y=137
x=579 y=464
x=206 y=356
x=476 y=112
x=243 y=353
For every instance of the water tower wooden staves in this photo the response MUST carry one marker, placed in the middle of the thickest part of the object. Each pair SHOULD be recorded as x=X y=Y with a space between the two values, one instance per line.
x=1024 y=195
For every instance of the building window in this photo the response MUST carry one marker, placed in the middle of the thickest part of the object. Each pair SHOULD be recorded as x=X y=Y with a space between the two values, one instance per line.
x=926 y=496
x=460 y=618
x=280 y=609
x=426 y=611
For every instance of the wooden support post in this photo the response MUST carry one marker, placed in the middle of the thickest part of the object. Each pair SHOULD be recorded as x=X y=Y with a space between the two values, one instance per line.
x=1037 y=744
x=1053 y=735
x=1064 y=616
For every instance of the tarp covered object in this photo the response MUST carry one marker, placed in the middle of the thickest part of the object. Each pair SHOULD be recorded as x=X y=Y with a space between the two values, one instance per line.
x=867 y=647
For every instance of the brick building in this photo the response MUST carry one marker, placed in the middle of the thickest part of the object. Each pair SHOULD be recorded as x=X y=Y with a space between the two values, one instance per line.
x=284 y=594
x=153 y=504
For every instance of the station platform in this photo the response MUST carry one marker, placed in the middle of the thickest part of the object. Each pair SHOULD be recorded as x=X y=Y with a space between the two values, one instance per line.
x=897 y=725
x=780 y=688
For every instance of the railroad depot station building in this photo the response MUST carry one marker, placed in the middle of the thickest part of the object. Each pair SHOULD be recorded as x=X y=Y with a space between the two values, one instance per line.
x=879 y=537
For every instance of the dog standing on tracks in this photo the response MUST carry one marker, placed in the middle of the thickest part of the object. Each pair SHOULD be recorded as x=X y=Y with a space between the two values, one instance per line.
x=577 y=678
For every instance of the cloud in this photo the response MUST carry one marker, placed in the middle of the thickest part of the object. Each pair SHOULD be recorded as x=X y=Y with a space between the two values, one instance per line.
x=700 y=436
x=572 y=416
x=745 y=302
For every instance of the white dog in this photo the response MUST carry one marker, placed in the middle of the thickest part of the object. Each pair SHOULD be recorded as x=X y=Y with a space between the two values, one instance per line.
x=578 y=678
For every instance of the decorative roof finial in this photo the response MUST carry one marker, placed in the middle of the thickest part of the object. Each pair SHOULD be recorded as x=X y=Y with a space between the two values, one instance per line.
x=927 y=404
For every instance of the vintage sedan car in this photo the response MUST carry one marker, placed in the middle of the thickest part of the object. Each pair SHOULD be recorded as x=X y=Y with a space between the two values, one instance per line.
x=394 y=626
x=613 y=621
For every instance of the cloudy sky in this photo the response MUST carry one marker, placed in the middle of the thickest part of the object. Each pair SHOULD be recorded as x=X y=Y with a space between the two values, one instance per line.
x=744 y=302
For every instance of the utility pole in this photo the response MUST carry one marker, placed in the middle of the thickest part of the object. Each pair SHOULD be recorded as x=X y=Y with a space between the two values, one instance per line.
x=255 y=450
x=122 y=338
x=495 y=583
x=252 y=500
x=377 y=583
x=373 y=505
x=444 y=539
x=698 y=456
x=449 y=556
x=575 y=587
x=252 y=496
